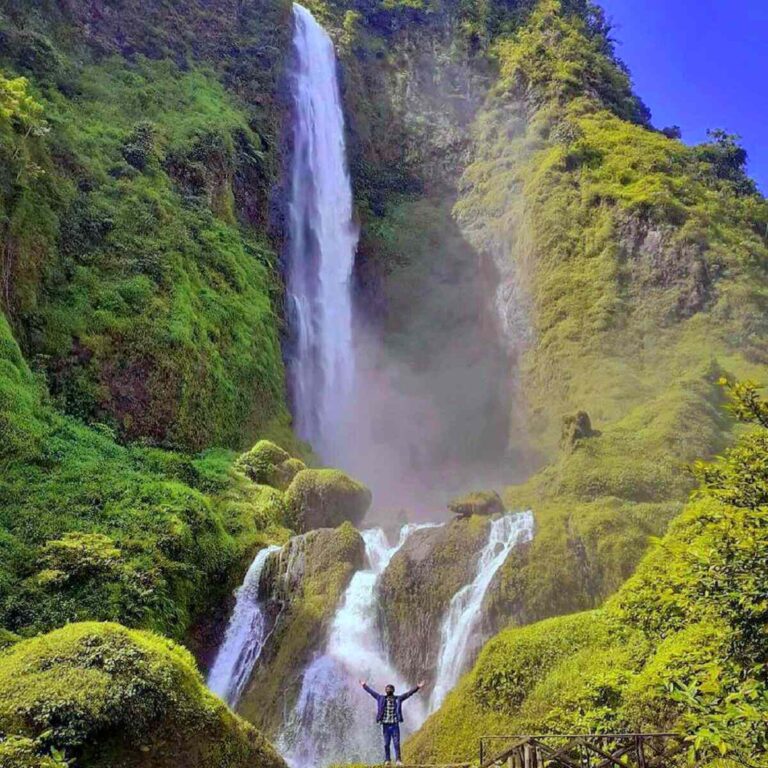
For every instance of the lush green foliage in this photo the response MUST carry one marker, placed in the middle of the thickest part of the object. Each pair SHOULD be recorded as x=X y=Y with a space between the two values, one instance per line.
x=682 y=645
x=138 y=280
x=92 y=529
x=636 y=266
x=136 y=268
x=101 y=695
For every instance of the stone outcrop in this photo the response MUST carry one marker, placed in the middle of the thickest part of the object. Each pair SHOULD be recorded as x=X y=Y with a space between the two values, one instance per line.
x=268 y=464
x=417 y=587
x=477 y=503
x=302 y=585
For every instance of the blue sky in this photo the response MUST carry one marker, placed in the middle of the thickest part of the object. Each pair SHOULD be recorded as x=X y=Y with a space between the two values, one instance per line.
x=700 y=64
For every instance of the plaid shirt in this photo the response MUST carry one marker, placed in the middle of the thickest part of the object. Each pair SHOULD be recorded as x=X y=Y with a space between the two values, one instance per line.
x=390 y=714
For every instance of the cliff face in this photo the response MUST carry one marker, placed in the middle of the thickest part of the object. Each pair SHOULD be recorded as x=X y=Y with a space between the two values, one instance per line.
x=137 y=263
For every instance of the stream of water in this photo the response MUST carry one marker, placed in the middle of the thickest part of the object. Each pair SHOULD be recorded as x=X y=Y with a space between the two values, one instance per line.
x=458 y=637
x=333 y=719
x=245 y=636
x=321 y=245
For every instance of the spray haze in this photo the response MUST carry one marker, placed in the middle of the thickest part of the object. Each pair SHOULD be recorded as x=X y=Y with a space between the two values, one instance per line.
x=403 y=380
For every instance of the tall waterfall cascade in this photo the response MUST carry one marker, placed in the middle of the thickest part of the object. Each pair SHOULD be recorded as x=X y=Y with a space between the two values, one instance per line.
x=321 y=244
x=458 y=634
x=333 y=720
x=244 y=638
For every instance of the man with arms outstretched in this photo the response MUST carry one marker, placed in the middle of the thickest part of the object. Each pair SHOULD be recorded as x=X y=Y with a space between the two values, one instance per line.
x=389 y=712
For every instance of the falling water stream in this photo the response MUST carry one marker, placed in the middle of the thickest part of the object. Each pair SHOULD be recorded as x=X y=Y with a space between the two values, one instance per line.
x=321 y=245
x=244 y=638
x=458 y=634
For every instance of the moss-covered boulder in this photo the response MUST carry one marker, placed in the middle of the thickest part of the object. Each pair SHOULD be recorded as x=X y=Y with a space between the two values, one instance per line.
x=322 y=498
x=108 y=696
x=418 y=584
x=477 y=503
x=302 y=585
x=268 y=464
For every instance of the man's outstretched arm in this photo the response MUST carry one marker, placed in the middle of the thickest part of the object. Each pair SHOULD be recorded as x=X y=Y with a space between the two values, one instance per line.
x=410 y=693
x=370 y=690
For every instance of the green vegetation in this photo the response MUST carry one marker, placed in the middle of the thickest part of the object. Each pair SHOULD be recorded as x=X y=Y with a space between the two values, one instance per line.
x=102 y=695
x=139 y=310
x=638 y=265
x=130 y=278
x=325 y=498
x=306 y=581
x=92 y=529
x=268 y=464
x=682 y=645
x=477 y=503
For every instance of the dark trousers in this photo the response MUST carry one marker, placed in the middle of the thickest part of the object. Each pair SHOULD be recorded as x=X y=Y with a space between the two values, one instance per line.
x=391 y=734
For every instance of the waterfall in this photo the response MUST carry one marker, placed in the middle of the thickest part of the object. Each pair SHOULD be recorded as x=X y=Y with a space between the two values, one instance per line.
x=333 y=720
x=321 y=244
x=457 y=635
x=244 y=638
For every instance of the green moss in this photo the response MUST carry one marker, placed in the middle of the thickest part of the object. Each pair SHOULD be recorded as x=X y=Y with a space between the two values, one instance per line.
x=269 y=464
x=92 y=529
x=477 y=503
x=321 y=498
x=107 y=696
x=135 y=275
x=20 y=752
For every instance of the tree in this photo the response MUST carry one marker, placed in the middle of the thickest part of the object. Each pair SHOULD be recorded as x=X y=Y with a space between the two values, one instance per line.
x=727 y=160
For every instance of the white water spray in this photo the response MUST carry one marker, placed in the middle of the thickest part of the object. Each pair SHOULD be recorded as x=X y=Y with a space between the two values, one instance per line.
x=244 y=638
x=457 y=636
x=321 y=245
x=333 y=720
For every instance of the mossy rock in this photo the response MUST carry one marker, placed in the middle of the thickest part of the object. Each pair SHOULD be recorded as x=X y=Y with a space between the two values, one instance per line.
x=575 y=427
x=301 y=585
x=108 y=696
x=325 y=498
x=418 y=584
x=477 y=503
x=268 y=464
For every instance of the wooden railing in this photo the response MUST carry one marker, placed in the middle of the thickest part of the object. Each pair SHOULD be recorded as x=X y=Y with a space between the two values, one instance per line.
x=608 y=750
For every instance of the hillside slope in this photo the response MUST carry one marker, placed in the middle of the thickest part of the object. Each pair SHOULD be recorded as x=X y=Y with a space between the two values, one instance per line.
x=680 y=648
x=137 y=268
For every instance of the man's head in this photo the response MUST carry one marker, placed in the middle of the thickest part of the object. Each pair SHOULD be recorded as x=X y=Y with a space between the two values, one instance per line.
x=390 y=690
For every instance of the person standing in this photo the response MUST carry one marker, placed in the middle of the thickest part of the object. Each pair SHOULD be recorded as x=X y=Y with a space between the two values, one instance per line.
x=389 y=712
